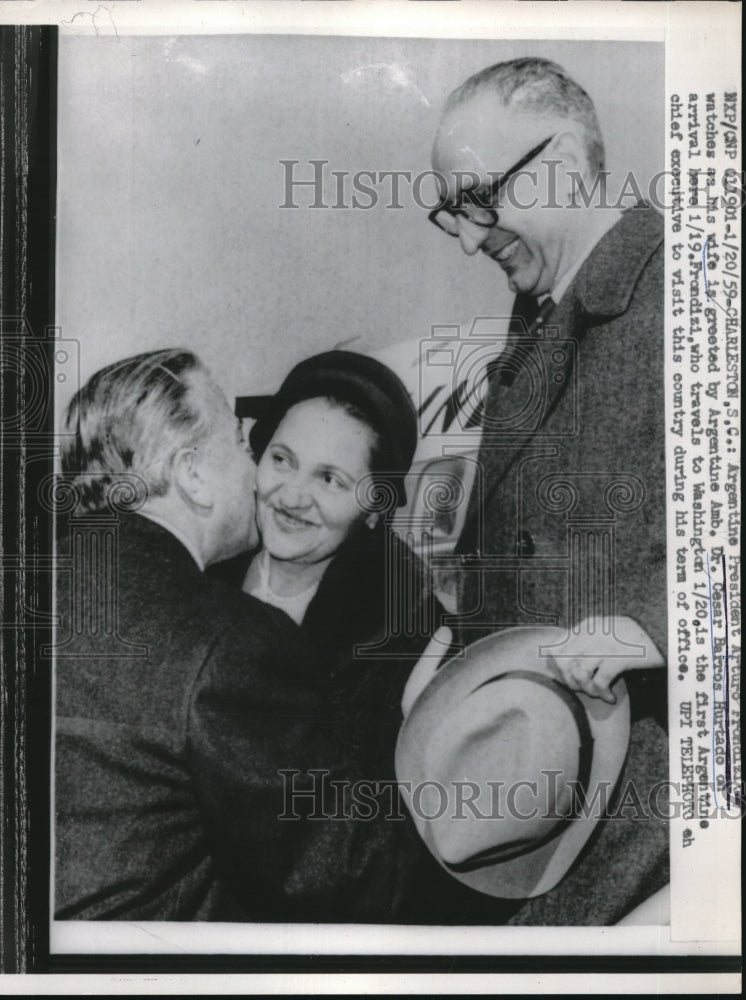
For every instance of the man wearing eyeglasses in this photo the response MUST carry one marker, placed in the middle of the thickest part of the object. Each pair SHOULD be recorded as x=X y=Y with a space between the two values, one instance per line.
x=568 y=524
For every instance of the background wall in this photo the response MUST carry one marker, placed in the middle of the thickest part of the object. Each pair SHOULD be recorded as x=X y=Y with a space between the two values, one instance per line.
x=169 y=182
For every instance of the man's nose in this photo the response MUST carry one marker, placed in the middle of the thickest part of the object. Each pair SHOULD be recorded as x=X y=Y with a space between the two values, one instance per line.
x=471 y=236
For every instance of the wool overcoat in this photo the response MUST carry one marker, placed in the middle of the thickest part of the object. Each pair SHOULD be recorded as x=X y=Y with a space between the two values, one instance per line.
x=568 y=515
x=568 y=520
x=369 y=621
x=183 y=709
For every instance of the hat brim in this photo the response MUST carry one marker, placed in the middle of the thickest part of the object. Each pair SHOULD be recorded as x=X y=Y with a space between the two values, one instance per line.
x=538 y=870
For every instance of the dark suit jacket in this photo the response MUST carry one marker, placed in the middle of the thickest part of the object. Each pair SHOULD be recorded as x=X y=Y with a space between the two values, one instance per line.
x=178 y=701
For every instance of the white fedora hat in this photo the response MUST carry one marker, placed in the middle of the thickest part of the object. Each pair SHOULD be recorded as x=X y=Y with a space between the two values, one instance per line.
x=504 y=769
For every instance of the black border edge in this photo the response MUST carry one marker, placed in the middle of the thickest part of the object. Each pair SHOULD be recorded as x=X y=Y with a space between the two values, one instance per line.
x=28 y=151
x=404 y=964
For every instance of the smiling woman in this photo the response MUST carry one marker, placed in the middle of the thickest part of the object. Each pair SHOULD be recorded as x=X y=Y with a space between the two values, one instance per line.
x=333 y=448
x=307 y=502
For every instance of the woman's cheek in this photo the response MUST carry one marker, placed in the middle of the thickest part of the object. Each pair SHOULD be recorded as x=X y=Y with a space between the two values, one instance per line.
x=335 y=512
x=342 y=515
x=266 y=483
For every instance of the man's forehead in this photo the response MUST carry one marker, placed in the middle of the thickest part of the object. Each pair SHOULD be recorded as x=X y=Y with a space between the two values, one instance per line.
x=475 y=125
x=482 y=135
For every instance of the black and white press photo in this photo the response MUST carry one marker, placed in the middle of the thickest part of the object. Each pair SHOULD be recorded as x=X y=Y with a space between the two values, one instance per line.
x=394 y=599
x=366 y=464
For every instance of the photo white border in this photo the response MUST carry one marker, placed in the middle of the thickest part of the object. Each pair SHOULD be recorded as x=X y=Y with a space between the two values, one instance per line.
x=687 y=28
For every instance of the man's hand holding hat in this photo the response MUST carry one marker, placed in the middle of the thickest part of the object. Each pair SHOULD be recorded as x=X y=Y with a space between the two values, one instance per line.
x=599 y=650
x=590 y=660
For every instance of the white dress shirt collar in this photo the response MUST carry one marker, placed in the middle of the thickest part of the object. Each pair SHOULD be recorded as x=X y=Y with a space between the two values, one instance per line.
x=607 y=221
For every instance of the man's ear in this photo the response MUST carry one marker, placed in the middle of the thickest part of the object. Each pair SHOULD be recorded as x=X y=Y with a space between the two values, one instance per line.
x=568 y=146
x=190 y=479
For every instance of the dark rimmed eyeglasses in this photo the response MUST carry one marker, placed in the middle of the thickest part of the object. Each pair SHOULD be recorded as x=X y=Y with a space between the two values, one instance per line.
x=478 y=204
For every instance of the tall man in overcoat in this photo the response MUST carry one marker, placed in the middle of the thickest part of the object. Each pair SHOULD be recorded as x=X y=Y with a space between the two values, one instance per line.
x=566 y=524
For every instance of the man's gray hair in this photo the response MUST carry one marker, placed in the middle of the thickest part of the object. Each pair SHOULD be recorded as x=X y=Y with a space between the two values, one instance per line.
x=537 y=87
x=126 y=424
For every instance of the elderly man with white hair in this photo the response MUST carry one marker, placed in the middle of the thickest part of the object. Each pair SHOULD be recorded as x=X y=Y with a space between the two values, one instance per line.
x=182 y=705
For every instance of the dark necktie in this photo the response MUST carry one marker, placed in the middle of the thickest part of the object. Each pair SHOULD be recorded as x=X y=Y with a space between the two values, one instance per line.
x=526 y=309
x=526 y=321
x=525 y=324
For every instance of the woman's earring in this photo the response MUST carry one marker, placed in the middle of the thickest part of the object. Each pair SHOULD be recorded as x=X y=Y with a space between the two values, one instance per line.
x=372 y=521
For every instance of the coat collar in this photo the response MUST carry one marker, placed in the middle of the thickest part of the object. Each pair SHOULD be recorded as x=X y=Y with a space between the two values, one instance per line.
x=145 y=533
x=158 y=535
x=179 y=535
x=606 y=281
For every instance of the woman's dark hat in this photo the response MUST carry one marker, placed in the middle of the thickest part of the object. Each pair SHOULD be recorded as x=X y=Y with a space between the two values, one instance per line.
x=370 y=386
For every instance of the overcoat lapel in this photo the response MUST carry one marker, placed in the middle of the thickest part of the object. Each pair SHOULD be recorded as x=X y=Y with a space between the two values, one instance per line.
x=526 y=382
x=542 y=358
